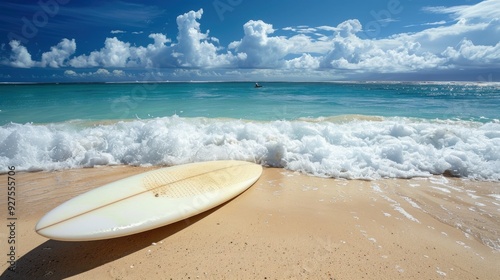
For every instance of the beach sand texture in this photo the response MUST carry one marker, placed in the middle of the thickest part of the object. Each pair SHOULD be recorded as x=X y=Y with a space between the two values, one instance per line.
x=286 y=226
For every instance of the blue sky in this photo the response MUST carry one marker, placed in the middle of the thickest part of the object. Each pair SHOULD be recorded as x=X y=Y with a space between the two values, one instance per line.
x=70 y=40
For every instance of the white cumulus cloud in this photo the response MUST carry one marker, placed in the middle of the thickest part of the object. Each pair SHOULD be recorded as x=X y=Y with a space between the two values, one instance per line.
x=20 y=56
x=59 y=54
x=467 y=54
x=70 y=73
x=99 y=73
x=306 y=61
x=259 y=49
x=467 y=39
x=350 y=52
x=115 y=53
x=193 y=48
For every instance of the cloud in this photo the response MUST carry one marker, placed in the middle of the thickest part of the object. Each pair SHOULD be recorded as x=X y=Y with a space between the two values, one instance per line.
x=333 y=49
x=441 y=22
x=305 y=61
x=118 y=31
x=193 y=48
x=424 y=50
x=301 y=29
x=101 y=72
x=478 y=23
x=485 y=9
x=436 y=40
x=327 y=28
x=350 y=52
x=56 y=57
x=20 y=56
x=468 y=54
x=302 y=43
x=149 y=56
x=59 y=54
x=349 y=28
x=70 y=73
x=118 y=73
x=115 y=53
x=259 y=50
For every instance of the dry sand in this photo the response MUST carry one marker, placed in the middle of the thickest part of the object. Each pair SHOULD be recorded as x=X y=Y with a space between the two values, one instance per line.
x=286 y=226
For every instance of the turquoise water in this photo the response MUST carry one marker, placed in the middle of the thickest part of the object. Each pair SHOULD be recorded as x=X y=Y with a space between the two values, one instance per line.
x=275 y=101
x=342 y=130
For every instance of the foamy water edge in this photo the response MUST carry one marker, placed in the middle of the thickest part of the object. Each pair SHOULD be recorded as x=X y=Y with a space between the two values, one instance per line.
x=358 y=148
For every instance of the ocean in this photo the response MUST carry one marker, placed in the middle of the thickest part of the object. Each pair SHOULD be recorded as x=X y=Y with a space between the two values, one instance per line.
x=343 y=130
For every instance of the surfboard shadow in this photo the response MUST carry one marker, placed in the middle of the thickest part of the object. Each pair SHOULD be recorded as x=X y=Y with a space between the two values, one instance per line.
x=58 y=259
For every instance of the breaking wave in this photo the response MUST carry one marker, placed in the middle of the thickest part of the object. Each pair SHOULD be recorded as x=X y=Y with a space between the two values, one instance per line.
x=367 y=148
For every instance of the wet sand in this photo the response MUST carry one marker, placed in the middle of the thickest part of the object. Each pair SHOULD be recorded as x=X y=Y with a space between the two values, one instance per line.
x=286 y=226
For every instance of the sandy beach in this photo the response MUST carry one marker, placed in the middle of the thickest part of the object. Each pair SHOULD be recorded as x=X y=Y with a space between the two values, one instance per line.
x=286 y=226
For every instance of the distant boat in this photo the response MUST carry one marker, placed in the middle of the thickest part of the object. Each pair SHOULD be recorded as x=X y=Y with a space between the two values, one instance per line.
x=257 y=85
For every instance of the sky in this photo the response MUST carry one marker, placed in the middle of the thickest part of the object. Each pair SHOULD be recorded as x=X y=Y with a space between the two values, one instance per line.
x=242 y=40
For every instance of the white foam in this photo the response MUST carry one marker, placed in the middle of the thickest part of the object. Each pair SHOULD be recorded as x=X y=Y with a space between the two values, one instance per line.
x=441 y=189
x=406 y=214
x=438 y=271
x=396 y=148
x=495 y=196
x=411 y=202
x=376 y=188
x=397 y=207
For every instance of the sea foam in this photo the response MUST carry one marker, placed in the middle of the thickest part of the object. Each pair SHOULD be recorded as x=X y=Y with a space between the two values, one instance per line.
x=368 y=149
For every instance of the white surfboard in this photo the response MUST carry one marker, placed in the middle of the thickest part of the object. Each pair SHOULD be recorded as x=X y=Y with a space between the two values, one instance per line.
x=148 y=200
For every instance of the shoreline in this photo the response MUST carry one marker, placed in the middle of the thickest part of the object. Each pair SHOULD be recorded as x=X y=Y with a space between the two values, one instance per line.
x=286 y=226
